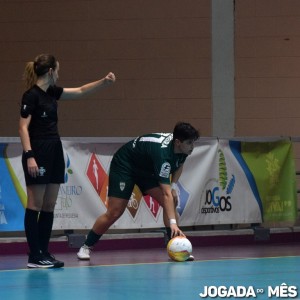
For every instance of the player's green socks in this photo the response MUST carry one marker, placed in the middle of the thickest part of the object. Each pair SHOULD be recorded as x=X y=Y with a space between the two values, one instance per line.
x=92 y=238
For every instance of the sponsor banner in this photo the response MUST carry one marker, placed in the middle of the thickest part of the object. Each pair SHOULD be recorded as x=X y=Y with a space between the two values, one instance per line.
x=273 y=170
x=223 y=182
x=219 y=189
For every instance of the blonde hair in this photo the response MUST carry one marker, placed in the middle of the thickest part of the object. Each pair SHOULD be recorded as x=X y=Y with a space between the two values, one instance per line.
x=29 y=75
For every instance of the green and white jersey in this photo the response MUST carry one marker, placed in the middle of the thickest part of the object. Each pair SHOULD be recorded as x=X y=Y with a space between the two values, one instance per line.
x=149 y=156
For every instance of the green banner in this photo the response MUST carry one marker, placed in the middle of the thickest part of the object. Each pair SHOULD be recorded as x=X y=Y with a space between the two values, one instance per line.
x=273 y=167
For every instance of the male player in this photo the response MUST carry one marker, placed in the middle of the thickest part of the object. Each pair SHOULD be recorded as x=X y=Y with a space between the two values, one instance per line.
x=154 y=163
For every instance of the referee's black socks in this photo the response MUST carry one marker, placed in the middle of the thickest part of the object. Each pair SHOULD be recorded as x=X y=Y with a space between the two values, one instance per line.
x=32 y=231
x=45 y=224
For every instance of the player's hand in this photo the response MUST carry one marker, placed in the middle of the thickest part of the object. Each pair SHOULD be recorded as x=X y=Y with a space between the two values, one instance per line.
x=32 y=166
x=110 y=78
x=175 y=231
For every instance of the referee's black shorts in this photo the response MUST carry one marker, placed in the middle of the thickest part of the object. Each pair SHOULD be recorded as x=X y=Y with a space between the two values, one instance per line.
x=49 y=157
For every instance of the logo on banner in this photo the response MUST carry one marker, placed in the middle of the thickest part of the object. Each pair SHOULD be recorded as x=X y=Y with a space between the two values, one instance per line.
x=134 y=202
x=2 y=215
x=183 y=197
x=68 y=171
x=67 y=192
x=217 y=192
x=2 y=209
x=153 y=206
x=98 y=177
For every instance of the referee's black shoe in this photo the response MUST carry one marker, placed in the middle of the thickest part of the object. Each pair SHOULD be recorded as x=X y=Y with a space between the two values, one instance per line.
x=39 y=261
x=56 y=263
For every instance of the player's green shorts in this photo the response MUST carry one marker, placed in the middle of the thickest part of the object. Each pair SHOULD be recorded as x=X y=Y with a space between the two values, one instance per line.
x=121 y=183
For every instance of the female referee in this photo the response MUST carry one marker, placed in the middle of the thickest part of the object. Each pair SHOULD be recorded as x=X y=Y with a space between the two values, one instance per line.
x=42 y=159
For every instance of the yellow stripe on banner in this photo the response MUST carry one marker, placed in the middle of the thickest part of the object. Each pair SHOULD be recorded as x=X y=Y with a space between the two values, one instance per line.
x=21 y=193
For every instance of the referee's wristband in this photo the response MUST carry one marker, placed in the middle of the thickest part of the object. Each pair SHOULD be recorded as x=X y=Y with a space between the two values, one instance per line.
x=29 y=154
x=173 y=221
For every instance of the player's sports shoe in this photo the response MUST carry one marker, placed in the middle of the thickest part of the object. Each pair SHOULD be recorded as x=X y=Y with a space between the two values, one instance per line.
x=84 y=253
x=39 y=261
x=56 y=263
x=191 y=258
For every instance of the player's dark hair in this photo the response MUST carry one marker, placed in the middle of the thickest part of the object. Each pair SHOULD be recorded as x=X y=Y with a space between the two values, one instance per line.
x=185 y=131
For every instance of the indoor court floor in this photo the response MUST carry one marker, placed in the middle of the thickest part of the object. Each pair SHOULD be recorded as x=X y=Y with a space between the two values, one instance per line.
x=260 y=270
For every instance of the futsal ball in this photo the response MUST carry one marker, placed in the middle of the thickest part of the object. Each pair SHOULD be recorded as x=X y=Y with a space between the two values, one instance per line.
x=179 y=248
